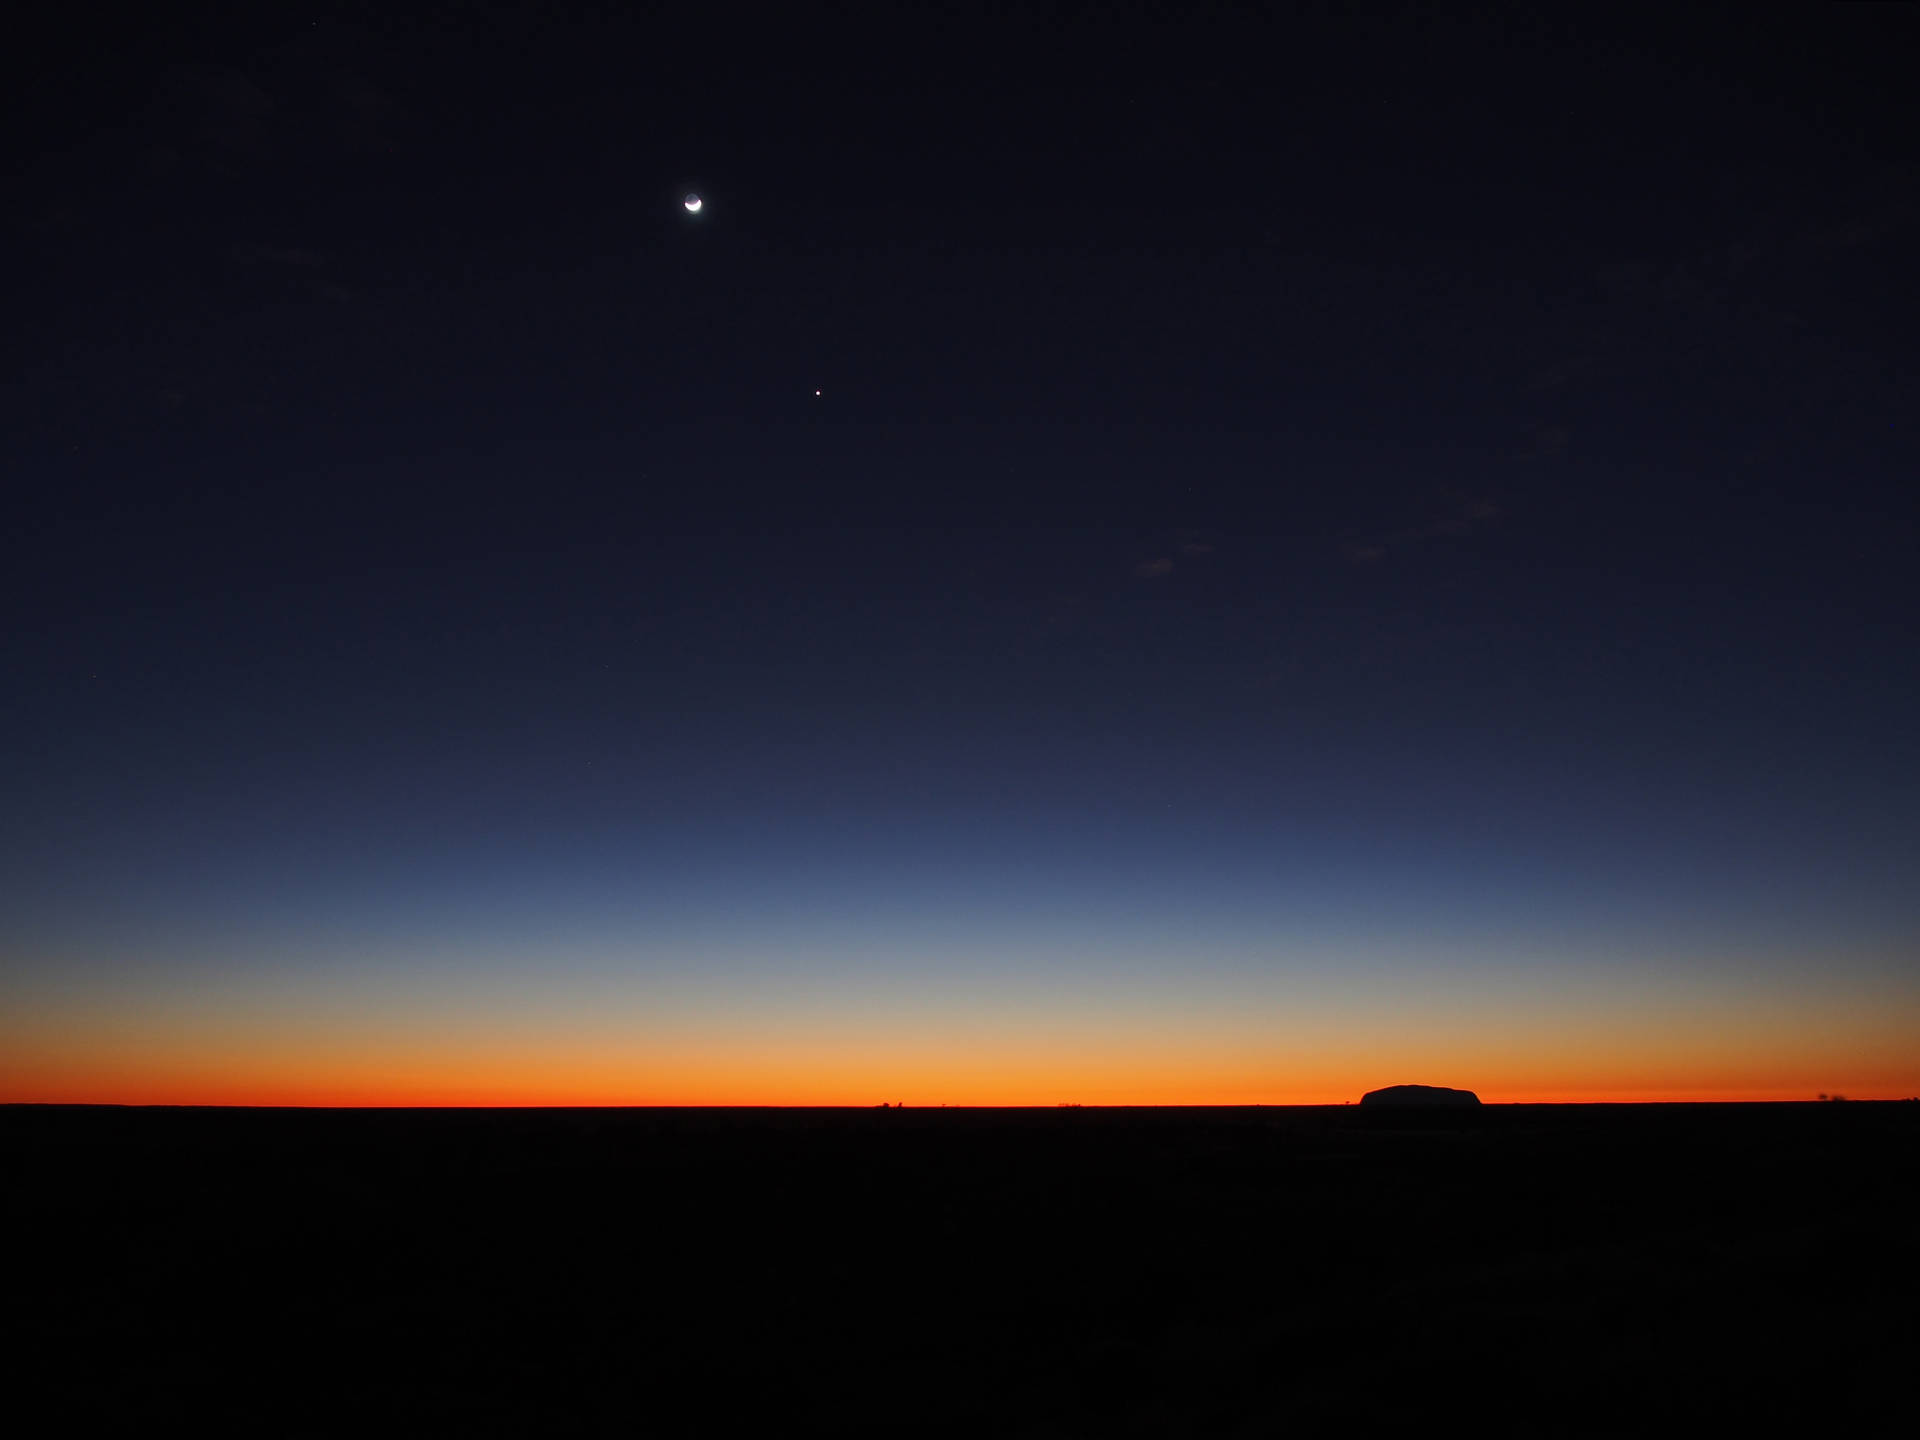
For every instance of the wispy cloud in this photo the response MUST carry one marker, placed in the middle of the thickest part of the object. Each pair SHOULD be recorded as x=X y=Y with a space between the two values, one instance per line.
x=294 y=255
x=1557 y=375
x=1548 y=441
x=1460 y=515
x=1186 y=544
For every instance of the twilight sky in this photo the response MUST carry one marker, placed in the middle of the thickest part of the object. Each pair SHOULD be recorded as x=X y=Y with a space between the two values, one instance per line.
x=1324 y=553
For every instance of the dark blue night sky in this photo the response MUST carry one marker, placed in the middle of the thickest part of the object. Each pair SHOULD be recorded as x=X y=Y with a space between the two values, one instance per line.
x=1315 y=544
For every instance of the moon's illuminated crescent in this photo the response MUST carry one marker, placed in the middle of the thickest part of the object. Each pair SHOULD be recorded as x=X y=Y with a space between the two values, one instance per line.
x=693 y=203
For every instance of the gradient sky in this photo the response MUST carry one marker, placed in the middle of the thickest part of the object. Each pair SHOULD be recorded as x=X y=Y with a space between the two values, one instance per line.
x=1326 y=553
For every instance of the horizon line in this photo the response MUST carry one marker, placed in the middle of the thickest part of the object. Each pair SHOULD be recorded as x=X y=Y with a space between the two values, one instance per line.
x=1818 y=1100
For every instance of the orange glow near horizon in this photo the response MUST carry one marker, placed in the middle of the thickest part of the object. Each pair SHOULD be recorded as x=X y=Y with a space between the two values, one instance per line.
x=993 y=1046
x=176 y=1072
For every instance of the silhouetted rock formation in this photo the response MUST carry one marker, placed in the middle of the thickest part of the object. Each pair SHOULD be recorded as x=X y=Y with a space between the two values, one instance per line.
x=1427 y=1095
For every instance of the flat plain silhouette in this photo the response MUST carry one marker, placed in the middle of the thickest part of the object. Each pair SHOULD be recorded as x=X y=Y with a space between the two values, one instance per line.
x=978 y=1272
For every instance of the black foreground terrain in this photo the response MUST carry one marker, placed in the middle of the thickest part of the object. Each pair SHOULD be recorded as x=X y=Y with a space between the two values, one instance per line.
x=1250 y=1271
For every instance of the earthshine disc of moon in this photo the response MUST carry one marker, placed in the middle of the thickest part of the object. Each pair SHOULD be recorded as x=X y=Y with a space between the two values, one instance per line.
x=693 y=204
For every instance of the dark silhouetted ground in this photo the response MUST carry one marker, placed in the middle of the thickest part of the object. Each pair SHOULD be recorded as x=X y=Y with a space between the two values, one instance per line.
x=1521 y=1269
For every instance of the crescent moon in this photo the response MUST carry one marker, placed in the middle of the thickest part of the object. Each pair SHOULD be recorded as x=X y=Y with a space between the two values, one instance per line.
x=693 y=204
